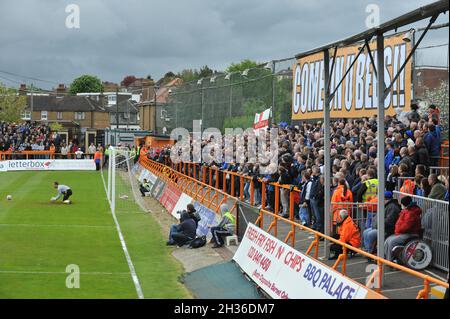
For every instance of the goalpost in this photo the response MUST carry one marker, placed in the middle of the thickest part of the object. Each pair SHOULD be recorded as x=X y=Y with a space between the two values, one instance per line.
x=121 y=187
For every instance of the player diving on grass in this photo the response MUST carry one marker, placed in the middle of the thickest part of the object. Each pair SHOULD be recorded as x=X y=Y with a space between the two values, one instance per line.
x=64 y=191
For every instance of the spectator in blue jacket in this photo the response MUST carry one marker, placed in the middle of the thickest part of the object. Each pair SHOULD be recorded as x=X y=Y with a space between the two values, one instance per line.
x=432 y=143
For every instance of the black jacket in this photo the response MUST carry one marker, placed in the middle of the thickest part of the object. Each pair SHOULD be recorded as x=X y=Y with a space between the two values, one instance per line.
x=187 y=226
x=391 y=211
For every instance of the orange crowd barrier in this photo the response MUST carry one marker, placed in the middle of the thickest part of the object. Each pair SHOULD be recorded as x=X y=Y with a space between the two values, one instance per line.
x=208 y=195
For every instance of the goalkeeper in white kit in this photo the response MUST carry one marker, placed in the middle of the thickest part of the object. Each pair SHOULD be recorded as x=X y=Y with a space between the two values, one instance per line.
x=64 y=191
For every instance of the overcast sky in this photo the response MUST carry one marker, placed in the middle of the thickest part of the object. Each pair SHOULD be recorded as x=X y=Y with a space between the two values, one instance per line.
x=138 y=37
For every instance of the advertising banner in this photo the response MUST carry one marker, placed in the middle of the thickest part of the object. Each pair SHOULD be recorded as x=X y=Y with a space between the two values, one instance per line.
x=183 y=201
x=158 y=189
x=3 y=166
x=49 y=165
x=170 y=197
x=284 y=273
x=149 y=176
x=356 y=97
x=208 y=217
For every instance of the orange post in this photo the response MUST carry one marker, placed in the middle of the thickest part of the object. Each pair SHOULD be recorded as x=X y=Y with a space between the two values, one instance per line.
x=217 y=178
x=224 y=181
x=232 y=184
x=263 y=195
x=252 y=192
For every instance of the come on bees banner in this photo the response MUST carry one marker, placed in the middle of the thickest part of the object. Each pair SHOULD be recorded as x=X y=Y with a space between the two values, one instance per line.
x=357 y=94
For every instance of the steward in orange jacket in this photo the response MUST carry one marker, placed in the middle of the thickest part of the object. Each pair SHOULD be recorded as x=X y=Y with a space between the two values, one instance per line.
x=341 y=195
x=349 y=234
x=97 y=159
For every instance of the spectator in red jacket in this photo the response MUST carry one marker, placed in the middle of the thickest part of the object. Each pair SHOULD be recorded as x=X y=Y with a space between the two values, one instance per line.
x=408 y=225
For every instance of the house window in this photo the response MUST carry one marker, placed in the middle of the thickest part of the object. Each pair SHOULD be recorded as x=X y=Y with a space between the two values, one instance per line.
x=111 y=99
x=26 y=115
x=59 y=115
x=80 y=115
x=44 y=115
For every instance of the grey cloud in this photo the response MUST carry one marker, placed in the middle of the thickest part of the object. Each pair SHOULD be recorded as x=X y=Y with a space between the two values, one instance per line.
x=117 y=38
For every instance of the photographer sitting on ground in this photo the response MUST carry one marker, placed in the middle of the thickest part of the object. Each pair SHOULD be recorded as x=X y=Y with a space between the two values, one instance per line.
x=184 y=232
x=144 y=187
x=190 y=209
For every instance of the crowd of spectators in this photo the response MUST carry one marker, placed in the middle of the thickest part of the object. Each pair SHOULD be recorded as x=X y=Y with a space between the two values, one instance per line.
x=412 y=149
x=25 y=137
x=34 y=136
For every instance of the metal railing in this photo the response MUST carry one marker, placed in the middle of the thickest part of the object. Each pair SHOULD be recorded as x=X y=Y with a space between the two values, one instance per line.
x=436 y=227
x=212 y=196
x=401 y=180
x=232 y=183
x=361 y=213
x=439 y=170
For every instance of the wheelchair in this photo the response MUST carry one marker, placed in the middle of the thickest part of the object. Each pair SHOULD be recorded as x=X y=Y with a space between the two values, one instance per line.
x=415 y=253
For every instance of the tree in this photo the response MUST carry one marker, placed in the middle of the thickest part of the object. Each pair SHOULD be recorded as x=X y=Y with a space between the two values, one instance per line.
x=241 y=66
x=169 y=76
x=205 y=72
x=55 y=126
x=11 y=104
x=188 y=75
x=127 y=80
x=439 y=97
x=86 y=84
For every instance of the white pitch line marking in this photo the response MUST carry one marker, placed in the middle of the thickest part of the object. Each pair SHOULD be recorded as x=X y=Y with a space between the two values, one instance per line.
x=62 y=272
x=56 y=225
x=134 y=276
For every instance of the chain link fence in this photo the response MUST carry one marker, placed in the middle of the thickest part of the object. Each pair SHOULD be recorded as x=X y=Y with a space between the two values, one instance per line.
x=232 y=99
x=430 y=73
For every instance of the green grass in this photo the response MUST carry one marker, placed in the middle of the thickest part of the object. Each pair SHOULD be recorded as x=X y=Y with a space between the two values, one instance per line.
x=38 y=239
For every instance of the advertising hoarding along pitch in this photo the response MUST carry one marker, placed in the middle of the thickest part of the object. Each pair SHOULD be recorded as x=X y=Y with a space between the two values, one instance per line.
x=48 y=165
x=170 y=197
x=357 y=95
x=284 y=273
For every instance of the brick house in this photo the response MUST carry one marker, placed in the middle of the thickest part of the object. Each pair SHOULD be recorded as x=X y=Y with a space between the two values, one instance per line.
x=153 y=116
x=81 y=117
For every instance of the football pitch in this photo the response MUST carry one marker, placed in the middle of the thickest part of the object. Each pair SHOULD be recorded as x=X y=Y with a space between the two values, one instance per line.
x=39 y=240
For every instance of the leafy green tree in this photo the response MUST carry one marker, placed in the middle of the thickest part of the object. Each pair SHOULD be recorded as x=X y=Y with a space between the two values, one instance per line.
x=55 y=126
x=188 y=75
x=205 y=72
x=241 y=66
x=169 y=76
x=439 y=97
x=11 y=104
x=86 y=84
